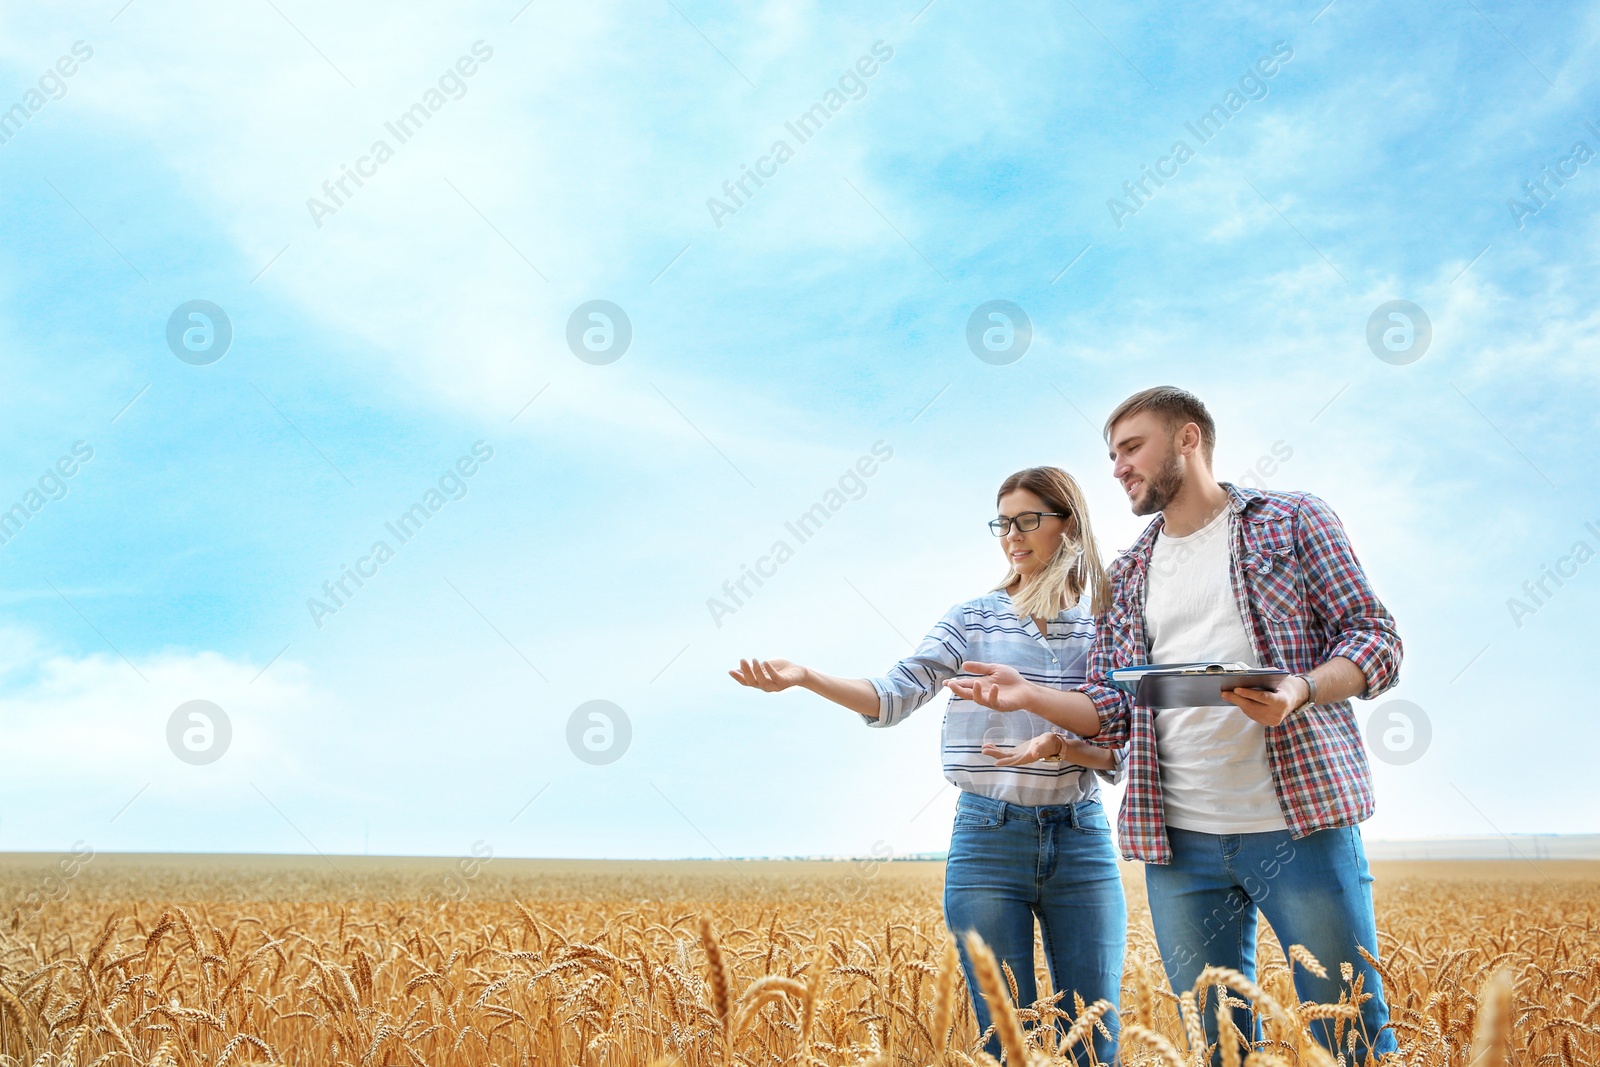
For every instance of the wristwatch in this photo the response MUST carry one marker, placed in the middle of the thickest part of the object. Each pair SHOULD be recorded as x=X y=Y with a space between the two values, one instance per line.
x=1059 y=756
x=1311 y=692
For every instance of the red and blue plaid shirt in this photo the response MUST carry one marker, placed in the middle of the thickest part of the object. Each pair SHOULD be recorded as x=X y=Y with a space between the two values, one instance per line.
x=1304 y=599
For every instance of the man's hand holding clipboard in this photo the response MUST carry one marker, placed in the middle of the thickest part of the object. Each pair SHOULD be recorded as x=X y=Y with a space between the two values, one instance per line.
x=1265 y=694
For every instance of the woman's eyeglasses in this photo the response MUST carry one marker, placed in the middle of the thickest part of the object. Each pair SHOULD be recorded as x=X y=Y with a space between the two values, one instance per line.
x=1026 y=521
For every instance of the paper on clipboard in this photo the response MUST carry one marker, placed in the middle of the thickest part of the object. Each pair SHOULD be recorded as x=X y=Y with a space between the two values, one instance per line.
x=1184 y=685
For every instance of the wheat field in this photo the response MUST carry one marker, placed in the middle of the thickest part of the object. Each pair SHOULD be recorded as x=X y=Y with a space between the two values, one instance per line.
x=372 y=962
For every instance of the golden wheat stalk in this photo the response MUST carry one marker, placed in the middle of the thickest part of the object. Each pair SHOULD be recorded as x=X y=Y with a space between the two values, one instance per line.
x=12 y=1005
x=813 y=996
x=944 y=999
x=1194 y=1027
x=1302 y=955
x=1081 y=1028
x=1491 y=1031
x=990 y=982
x=718 y=979
x=761 y=992
x=1227 y=976
x=69 y=1054
x=1165 y=1049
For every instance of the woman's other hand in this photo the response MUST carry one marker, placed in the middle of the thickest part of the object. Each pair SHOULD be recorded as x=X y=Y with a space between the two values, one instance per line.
x=1031 y=750
x=1083 y=754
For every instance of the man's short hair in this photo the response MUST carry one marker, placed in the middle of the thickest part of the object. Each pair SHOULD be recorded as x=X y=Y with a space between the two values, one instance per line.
x=1176 y=407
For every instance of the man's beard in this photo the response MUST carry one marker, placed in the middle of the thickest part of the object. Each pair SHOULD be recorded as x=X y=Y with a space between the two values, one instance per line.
x=1161 y=487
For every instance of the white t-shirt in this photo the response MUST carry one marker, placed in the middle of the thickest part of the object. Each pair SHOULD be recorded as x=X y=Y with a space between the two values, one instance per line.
x=1214 y=772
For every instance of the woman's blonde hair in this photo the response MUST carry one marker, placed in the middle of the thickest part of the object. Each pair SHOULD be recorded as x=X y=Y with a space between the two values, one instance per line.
x=1075 y=568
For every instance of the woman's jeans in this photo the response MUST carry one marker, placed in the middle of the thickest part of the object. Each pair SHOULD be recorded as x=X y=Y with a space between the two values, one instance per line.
x=1010 y=864
x=1315 y=891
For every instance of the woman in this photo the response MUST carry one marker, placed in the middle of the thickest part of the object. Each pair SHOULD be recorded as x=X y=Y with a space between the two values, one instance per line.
x=1031 y=839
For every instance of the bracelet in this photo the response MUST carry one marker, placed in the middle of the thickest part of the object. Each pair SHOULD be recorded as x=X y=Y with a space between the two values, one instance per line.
x=1058 y=757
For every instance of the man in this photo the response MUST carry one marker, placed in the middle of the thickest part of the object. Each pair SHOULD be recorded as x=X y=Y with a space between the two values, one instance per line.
x=1254 y=807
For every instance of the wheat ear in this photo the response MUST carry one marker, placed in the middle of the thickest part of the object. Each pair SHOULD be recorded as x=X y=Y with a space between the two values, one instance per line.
x=718 y=977
x=944 y=999
x=1491 y=1031
x=1145 y=1036
x=1006 y=1024
x=808 y=1005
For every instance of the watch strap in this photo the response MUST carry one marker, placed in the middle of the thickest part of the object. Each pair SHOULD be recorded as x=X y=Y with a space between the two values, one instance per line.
x=1311 y=691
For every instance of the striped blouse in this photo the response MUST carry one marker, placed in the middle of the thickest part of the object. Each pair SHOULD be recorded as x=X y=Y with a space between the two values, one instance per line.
x=987 y=629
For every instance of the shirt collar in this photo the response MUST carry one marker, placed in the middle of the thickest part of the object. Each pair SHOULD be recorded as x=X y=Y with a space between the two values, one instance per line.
x=1249 y=504
x=1256 y=505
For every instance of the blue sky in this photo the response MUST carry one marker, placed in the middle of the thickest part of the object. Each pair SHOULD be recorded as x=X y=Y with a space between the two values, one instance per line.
x=375 y=345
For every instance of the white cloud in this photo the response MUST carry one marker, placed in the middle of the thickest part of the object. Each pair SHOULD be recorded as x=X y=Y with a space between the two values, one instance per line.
x=88 y=731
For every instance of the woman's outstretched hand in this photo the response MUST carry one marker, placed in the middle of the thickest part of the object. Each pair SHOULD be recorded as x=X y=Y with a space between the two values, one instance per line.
x=768 y=675
x=996 y=686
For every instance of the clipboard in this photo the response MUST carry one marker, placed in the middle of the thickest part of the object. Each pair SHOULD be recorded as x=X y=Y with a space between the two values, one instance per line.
x=1184 y=685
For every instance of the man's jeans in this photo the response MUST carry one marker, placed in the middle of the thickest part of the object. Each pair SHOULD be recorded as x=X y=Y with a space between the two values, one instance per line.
x=1315 y=891
x=1010 y=863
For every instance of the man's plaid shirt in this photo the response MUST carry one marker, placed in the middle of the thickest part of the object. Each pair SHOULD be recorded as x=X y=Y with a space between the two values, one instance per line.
x=1304 y=599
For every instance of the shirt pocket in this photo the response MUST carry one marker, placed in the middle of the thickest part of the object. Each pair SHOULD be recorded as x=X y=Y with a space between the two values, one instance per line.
x=1127 y=630
x=1277 y=588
